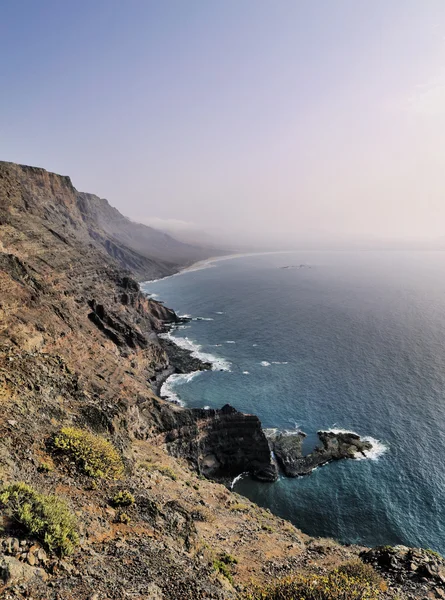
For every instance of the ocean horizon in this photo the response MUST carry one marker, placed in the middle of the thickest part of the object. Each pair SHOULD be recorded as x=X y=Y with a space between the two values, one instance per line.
x=312 y=341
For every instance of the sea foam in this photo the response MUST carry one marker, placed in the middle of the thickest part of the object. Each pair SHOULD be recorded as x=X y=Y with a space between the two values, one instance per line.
x=167 y=390
x=218 y=363
x=377 y=450
x=237 y=478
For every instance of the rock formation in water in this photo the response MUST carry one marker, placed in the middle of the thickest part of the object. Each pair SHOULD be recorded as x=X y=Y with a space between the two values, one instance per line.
x=334 y=446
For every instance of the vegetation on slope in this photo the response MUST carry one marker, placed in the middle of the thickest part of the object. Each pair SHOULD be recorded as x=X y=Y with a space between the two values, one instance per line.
x=45 y=516
x=93 y=455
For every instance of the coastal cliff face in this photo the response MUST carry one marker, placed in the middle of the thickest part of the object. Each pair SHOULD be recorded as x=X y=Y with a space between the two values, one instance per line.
x=79 y=348
x=221 y=443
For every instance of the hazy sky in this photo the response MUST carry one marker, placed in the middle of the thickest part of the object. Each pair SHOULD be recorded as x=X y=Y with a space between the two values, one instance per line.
x=291 y=119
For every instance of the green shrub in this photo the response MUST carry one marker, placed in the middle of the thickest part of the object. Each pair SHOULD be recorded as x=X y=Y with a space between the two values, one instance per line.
x=122 y=517
x=122 y=498
x=228 y=559
x=45 y=467
x=224 y=569
x=93 y=454
x=335 y=586
x=46 y=517
x=433 y=553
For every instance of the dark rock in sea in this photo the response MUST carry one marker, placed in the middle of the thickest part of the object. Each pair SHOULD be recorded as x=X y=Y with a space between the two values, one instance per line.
x=334 y=446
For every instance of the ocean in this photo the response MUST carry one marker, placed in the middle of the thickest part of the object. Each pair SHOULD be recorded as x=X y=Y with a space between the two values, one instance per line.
x=330 y=340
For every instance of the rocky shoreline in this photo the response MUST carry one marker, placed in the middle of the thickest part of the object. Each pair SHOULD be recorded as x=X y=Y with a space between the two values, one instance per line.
x=285 y=449
x=180 y=360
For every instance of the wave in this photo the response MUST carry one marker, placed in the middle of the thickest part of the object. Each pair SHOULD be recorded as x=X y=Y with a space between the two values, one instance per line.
x=202 y=319
x=377 y=450
x=264 y=363
x=184 y=316
x=272 y=431
x=219 y=312
x=254 y=345
x=238 y=478
x=218 y=363
x=278 y=362
x=246 y=373
x=230 y=342
x=167 y=390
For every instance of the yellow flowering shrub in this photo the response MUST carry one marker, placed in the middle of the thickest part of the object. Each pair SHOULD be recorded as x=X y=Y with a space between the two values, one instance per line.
x=94 y=455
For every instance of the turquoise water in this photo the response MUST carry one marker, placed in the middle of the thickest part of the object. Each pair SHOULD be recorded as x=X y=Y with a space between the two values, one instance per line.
x=350 y=341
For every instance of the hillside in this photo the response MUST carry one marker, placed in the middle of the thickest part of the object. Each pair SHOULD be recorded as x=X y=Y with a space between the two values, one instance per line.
x=51 y=203
x=79 y=349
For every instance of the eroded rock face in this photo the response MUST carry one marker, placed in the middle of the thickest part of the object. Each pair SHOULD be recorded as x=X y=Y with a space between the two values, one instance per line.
x=334 y=446
x=221 y=443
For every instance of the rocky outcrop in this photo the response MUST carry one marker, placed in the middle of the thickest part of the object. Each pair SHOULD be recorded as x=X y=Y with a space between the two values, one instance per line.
x=220 y=443
x=409 y=566
x=334 y=446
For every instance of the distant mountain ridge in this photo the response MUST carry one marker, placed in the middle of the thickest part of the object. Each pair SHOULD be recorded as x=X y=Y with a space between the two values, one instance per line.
x=147 y=252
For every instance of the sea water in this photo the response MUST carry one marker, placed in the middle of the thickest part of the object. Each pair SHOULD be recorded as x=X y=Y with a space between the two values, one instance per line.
x=334 y=340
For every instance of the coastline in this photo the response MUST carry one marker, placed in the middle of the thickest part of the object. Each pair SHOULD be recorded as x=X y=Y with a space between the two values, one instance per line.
x=185 y=363
x=208 y=263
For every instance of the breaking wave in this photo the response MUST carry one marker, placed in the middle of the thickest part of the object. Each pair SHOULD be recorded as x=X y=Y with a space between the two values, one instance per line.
x=377 y=450
x=167 y=388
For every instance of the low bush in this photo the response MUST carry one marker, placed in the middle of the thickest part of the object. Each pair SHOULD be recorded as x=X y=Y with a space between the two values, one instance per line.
x=223 y=565
x=123 y=517
x=93 y=455
x=228 y=559
x=224 y=569
x=363 y=572
x=48 y=518
x=122 y=498
x=335 y=586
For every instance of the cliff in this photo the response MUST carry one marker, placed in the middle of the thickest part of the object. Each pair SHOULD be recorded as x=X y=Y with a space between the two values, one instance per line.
x=79 y=349
x=76 y=218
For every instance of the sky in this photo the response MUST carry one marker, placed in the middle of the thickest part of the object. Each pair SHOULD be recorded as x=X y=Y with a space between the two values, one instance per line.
x=274 y=122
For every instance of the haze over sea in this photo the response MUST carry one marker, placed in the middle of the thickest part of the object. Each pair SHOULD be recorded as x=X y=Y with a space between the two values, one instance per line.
x=351 y=341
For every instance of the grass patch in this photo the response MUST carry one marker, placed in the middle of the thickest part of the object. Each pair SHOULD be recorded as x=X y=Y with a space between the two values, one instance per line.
x=163 y=470
x=433 y=553
x=239 y=507
x=94 y=455
x=46 y=517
